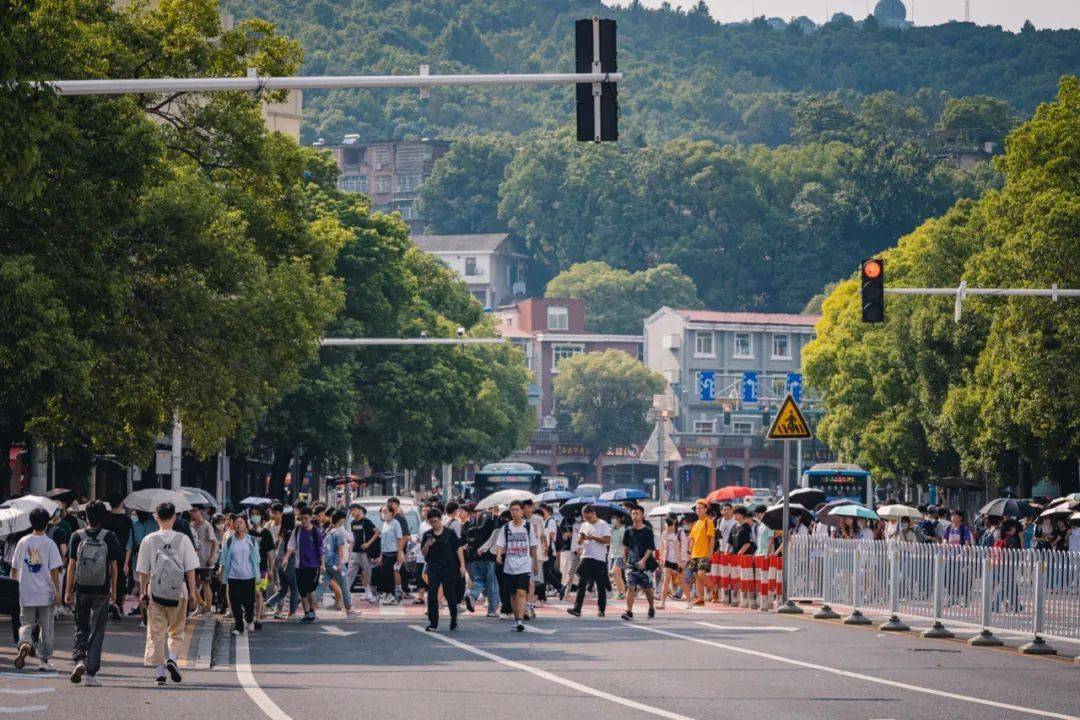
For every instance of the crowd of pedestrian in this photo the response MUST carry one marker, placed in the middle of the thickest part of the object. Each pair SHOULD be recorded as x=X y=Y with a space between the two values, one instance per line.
x=270 y=561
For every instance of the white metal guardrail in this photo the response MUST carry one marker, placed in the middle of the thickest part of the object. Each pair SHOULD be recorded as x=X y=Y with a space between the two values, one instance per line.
x=1033 y=592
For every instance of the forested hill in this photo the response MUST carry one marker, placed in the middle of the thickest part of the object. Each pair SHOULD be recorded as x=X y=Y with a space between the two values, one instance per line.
x=686 y=74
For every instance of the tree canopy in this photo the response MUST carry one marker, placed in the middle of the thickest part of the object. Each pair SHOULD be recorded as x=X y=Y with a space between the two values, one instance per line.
x=603 y=399
x=921 y=396
x=154 y=257
x=618 y=301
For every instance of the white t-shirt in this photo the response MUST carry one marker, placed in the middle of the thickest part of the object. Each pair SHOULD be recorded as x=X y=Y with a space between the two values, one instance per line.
x=516 y=541
x=724 y=528
x=155 y=542
x=36 y=556
x=418 y=554
x=593 y=549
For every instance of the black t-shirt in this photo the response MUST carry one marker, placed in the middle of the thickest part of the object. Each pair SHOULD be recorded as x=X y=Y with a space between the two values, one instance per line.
x=265 y=540
x=405 y=532
x=182 y=526
x=116 y=554
x=363 y=530
x=60 y=535
x=743 y=535
x=639 y=543
x=119 y=524
x=441 y=557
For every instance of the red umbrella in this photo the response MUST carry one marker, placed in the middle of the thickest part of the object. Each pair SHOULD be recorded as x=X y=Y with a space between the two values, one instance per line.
x=729 y=493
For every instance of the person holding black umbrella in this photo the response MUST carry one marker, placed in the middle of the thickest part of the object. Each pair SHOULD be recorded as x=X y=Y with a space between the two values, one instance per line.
x=594 y=536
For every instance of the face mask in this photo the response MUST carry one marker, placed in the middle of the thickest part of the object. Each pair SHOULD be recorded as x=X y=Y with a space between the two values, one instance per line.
x=256 y=519
x=219 y=528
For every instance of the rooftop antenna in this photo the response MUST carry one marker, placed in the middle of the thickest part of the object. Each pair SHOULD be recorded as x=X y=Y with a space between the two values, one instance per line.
x=967 y=11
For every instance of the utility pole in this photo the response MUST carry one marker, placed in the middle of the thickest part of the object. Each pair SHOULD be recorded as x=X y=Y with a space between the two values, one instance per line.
x=176 y=454
x=39 y=467
x=661 y=470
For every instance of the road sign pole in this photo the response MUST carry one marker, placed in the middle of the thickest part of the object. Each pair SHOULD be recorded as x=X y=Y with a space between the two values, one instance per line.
x=660 y=432
x=787 y=606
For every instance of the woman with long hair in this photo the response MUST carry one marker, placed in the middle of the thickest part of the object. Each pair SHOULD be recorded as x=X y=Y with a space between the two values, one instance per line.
x=240 y=566
x=286 y=571
x=673 y=555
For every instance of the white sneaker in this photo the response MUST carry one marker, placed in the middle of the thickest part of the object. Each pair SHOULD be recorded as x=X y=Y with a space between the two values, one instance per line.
x=91 y=681
x=46 y=666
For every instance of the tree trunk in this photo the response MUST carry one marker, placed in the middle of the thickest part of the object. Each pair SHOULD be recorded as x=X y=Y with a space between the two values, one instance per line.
x=282 y=461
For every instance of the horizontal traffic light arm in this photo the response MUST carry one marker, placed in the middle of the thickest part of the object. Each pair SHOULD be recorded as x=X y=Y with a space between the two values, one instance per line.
x=366 y=342
x=1053 y=292
x=254 y=82
x=962 y=292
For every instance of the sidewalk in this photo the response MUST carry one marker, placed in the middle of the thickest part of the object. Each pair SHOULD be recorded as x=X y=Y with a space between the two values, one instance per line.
x=1012 y=640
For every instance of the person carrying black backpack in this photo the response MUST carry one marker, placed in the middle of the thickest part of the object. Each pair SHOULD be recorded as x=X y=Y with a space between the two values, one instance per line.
x=93 y=569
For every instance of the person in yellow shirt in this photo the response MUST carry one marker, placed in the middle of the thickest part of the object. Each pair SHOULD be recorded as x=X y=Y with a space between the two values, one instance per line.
x=702 y=536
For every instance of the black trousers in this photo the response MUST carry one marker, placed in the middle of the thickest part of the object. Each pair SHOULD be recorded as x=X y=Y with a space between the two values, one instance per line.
x=448 y=583
x=242 y=601
x=384 y=578
x=504 y=591
x=91 y=615
x=591 y=570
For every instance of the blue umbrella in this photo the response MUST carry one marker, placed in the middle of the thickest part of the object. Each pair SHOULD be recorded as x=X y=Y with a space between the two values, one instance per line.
x=624 y=494
x=555 y=496
x=605 y=510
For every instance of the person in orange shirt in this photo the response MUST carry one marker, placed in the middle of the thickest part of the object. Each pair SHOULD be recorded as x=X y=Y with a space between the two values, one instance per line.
x=702 y=536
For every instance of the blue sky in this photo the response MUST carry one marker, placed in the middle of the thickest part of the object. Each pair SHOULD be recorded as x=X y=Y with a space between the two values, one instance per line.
x=1010 y=14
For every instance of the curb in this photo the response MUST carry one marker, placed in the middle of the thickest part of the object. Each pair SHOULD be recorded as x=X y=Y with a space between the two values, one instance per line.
x=200 y=644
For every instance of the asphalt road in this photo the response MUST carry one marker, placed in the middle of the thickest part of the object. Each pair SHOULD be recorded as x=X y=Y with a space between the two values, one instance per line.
x=715 y=664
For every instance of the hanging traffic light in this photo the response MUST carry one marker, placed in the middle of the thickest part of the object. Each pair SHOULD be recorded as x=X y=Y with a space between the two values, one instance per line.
x=597 y=103
x=873 y=290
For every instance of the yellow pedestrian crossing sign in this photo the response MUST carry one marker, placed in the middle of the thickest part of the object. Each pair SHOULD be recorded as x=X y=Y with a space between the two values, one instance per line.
x=789 y=423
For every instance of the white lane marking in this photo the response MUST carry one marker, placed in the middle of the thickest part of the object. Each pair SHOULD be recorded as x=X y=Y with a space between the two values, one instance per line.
x=545 y=675
x=26 y=691
x=393 y=610
x=336 y=631
x=25 y=709
x=250 y=686
x=28 y=676
x=751 y=628
x=860 y=676
x=530 y=628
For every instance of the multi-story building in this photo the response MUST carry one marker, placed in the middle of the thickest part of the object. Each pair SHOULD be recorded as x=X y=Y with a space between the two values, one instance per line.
x=390 y=172
x=752 y=360
x=490 y=264
x=549 y=331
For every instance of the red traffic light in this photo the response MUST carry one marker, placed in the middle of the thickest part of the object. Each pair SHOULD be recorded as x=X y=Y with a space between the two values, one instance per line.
x=871 y=269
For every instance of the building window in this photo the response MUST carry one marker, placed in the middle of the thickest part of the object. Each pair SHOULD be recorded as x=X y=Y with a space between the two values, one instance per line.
x=380 y=156
x=744 y=348
x=407 y=212
x=382 y=184
x=703 y=344
x=354 y=183
x=558 y=318
x=777 y=386
x=742 y=428
x=480 y=295
x=523 y=345
x=408 y=182
x=563 y=352
x=470 y=267
x=704 y=426
x=781 y=347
